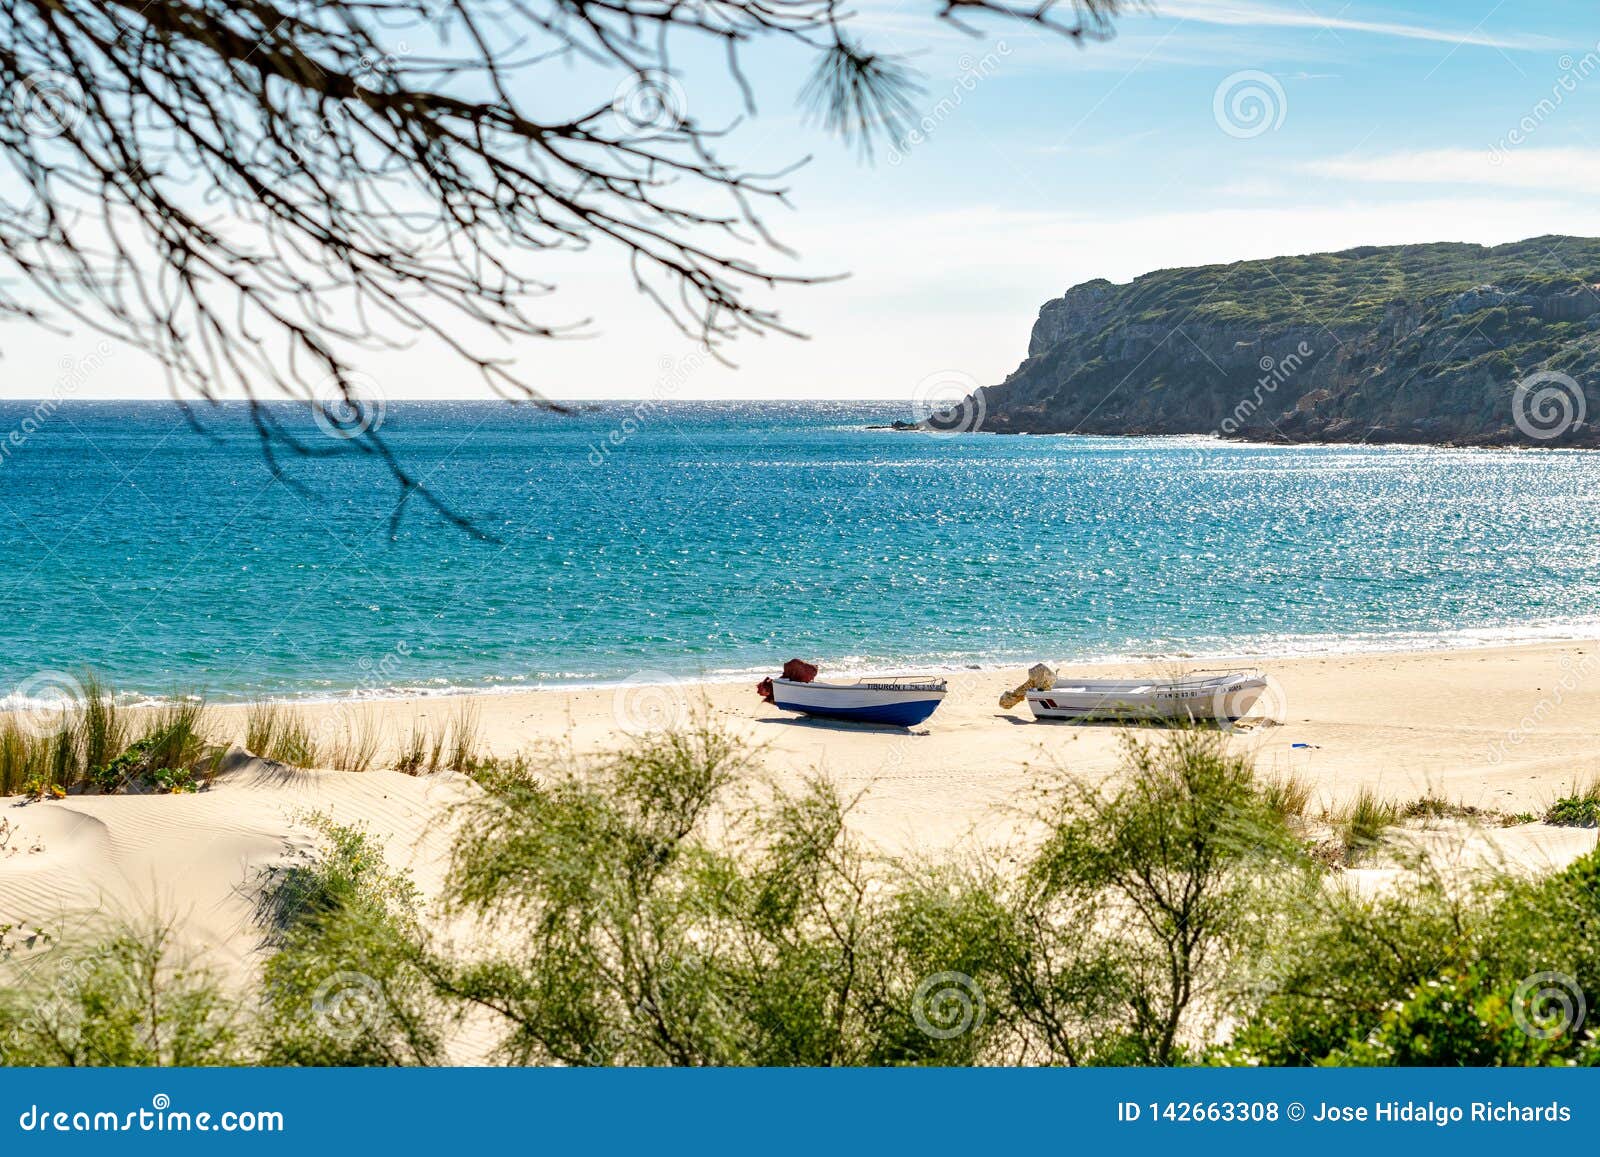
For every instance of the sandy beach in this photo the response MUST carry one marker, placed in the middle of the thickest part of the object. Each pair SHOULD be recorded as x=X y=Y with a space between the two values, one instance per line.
x=1509 y=729
x=1504 y=728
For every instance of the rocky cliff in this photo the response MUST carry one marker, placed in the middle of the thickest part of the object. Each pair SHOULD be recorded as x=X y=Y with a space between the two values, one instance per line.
x=1441 y=343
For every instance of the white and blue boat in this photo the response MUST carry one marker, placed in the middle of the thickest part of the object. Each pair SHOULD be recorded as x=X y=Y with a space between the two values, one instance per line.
x=899 y=701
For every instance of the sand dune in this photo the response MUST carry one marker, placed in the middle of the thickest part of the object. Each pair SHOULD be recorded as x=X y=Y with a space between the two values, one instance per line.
x=1508 y=728
x=199 y=859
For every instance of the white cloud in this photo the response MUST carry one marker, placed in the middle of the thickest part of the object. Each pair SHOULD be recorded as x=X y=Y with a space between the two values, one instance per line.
x=1269 y=16
x=959 y=289
x=954 y=289
x=1554 y=171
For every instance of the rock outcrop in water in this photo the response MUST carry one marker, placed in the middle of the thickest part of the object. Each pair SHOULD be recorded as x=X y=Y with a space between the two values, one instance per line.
x=1441 y=343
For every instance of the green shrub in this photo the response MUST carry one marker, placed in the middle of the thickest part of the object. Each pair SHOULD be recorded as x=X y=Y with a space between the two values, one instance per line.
x=124 y=769
x=661 y=906
x=131 y=997
x=173 y=755
x=1434 y=973
x=643 y=940
x=173 y=780
x=1343 y=960
x=1579 y=810
x=1465 y=1019
x=1179 y=859
x=347 y=982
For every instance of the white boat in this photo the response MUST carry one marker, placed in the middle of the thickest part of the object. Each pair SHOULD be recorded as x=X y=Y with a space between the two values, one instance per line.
x=902 y=701
x=1223 y=697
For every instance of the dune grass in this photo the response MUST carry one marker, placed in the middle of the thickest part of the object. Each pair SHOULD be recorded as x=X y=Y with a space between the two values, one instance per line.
x=355 y=746
x=1360 y=823
x=96 y=744
x=25 y=758
x=448 y=743
x=295 y=743
x=90 y=732
x=411 y=754
x=177 y=735
x=1288 y=796
x=278 y=732
x=462 y=748
x=102 y=726
x=261 y=721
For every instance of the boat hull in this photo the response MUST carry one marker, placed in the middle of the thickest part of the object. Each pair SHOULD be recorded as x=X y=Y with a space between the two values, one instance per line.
x=860 y=703
x=1223 y=700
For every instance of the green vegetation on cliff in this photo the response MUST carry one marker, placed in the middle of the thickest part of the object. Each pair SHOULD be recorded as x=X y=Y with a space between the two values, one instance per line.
x=1413 y=343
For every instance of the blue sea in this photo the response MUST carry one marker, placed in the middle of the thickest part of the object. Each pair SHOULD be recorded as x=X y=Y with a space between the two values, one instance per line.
x=714 y=540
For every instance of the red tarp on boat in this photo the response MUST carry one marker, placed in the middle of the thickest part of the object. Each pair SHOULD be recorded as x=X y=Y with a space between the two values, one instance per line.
x=799 y=671
x=796 y=670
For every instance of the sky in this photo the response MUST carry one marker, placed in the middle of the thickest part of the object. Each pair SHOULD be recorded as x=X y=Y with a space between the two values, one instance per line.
x=1205 y=131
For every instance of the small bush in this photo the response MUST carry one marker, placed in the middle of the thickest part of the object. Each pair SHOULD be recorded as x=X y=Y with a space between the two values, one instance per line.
x=173 y=754
x=1458 y=1019
x=347 y=983
x=1579 y=810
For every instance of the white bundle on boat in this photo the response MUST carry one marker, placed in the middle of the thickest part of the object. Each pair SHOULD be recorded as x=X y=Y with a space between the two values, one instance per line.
x=1040 y=678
